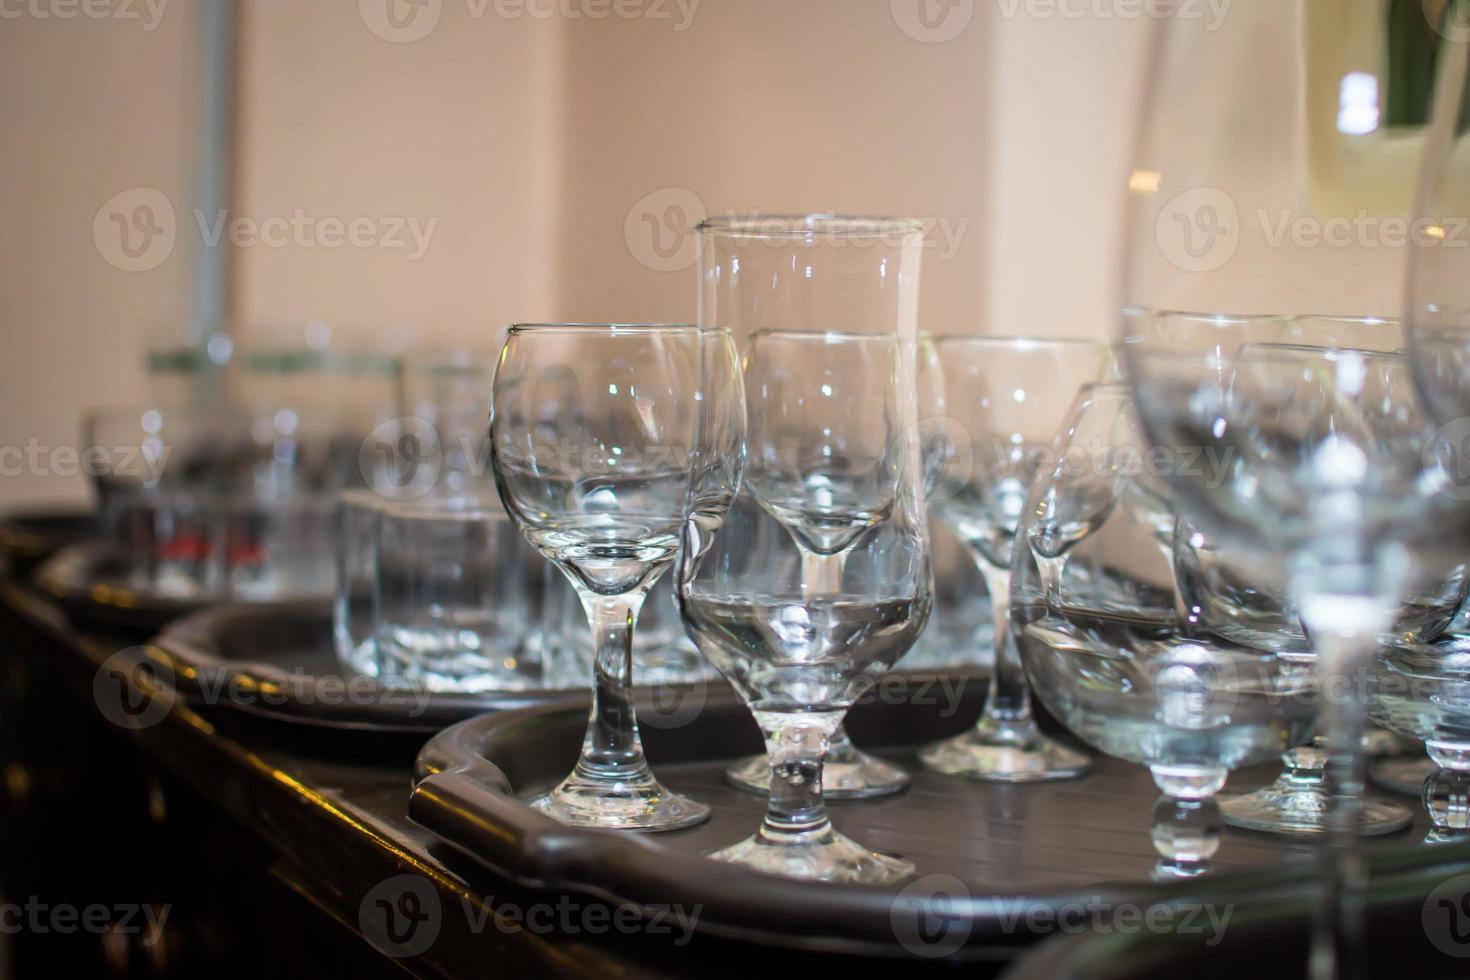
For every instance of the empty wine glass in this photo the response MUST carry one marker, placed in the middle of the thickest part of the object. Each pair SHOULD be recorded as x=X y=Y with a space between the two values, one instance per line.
x=816 y=272
x=820 y=580
x=1284 y=196
x=1093 y=609
x=594 y=442
x=1011 y=396
x=1323 y=471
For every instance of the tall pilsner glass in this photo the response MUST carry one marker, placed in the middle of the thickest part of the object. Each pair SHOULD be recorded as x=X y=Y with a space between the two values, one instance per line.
x=824 y=581
x=788 y=275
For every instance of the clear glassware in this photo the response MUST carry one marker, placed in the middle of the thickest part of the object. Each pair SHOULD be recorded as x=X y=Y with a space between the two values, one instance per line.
x=449 y=598
x=594 y=433
x=820 y=580
x=160 y=475
x=310 y=411
x=358 y=513
x=959 y=634
x=1095 y=617
x=1010 y=396
x=809 y=272
x=821 y=467
x=449 y=390
x=1279 y=197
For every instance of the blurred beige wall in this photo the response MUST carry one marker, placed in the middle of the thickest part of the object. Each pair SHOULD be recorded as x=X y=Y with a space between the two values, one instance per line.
x=94 y=115
x=426 y=173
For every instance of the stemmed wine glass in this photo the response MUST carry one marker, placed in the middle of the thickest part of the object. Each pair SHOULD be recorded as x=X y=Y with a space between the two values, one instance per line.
x=820 y=580
x=1012 y=395
x=1278 y=197
x=597 y=471
x=845 y=274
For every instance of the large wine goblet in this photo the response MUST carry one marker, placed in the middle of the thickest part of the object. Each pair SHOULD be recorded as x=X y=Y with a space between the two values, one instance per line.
x=1289 y=195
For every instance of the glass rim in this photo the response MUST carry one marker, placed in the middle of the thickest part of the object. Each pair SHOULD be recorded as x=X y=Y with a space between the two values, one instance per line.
x=796 y=333
x=1226 y=319
x=607 y=328
x=796 y=225
x=458 y=509
x=1020 y=343
x=1274 y=353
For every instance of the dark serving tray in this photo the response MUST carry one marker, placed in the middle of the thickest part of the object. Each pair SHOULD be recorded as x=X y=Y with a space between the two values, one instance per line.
x=29 y=537
x=276 y=661
x=1414 y=928
x=996 y=862
x=89 y=581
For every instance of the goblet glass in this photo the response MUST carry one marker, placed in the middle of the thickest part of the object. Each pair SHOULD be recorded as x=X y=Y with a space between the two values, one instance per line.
x=594 y=463
x=820 y=581
x=854 y=276
x=1279 y=197
x=1093 y=610
x=1011 y=396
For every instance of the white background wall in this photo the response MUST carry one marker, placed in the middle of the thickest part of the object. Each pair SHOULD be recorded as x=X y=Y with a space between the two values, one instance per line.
x=537 y=147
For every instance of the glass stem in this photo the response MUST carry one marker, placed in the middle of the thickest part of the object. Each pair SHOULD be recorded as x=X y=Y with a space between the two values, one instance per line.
x=821 y=575
x=1344 y=624
x=612 y=748
x=796 y=745
x=1051 y=570
x=1009 y=701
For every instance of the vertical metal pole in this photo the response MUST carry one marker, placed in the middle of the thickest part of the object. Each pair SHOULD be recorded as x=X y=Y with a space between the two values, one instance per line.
x=215 y=163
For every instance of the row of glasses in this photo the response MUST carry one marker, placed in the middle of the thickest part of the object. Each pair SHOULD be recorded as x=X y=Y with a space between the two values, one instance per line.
x=789 y=484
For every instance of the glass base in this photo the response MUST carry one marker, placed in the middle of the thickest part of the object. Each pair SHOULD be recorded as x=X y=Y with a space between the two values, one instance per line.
x=638 y=803
x=1405 y=777
x=1005 y=752
x=848 y=773
x=1302 y=812
x=819 y=855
